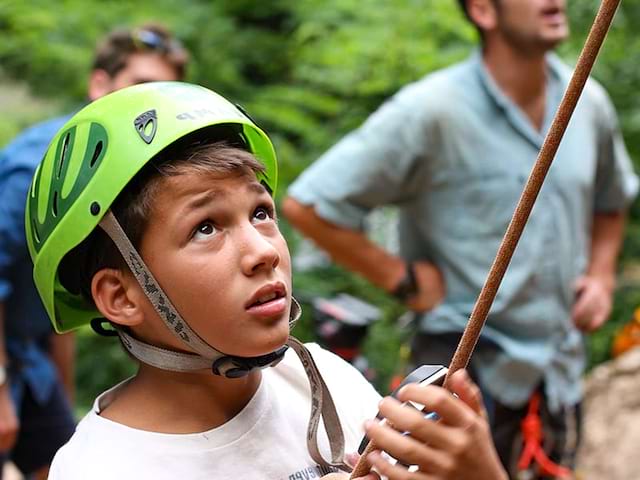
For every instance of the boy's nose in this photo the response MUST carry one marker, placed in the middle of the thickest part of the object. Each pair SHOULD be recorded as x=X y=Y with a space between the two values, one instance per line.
x=257 y=252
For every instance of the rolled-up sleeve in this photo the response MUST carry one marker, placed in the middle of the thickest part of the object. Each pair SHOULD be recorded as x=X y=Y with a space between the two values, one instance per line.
x=616 y=182
x=374 y=165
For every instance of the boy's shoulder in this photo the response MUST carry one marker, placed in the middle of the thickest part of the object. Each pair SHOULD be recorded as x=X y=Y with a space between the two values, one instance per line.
x=340 y=376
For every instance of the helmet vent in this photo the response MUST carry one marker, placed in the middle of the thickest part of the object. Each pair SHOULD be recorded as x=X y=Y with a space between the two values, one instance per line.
x=96 y=154
x=54 y=204
x=34 y=227
x=65 y=148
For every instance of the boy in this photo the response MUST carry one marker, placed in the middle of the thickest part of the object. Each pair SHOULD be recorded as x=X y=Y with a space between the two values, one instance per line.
x=153 y=211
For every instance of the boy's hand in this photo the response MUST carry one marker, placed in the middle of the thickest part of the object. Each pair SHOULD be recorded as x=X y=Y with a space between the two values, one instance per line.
x=458 y=446
x=344 y=476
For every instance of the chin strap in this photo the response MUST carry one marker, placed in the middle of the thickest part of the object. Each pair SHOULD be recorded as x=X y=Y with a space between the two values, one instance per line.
x=207 y=357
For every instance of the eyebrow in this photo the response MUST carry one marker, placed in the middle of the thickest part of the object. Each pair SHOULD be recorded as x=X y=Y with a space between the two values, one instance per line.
x=213 y=194
x=203 y=199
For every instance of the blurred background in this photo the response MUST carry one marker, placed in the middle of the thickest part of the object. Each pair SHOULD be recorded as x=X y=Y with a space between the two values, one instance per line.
x=308 y=71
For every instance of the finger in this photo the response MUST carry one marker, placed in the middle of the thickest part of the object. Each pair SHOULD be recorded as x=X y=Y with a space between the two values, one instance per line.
x=395 y=472
x=462 y=385
x=451 y=410
x=351 y=458
x=580 y=284
x=406 y=449
x=596 y=321
x=580 y=313
x=370 y=476
x=408 y=419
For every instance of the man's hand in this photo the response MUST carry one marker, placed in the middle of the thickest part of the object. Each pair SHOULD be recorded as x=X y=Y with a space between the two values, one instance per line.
x=9 y=423
x=431 y=288
x=594 y=299
x=458 y=446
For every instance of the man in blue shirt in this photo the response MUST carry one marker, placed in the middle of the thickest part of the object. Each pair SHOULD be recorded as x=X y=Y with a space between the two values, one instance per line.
x=453 y=152
x=35 y=414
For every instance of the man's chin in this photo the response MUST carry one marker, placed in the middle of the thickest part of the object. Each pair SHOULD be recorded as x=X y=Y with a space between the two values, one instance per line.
x=552 y=39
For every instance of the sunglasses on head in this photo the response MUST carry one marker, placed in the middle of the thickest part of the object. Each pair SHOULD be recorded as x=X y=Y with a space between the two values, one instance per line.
x=150 y=40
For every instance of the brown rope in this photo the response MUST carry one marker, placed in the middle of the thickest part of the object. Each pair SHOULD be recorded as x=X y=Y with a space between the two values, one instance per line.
x=483 y=304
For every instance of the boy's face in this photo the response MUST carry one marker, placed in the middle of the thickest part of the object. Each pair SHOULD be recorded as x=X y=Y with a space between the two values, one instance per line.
x=214 y=246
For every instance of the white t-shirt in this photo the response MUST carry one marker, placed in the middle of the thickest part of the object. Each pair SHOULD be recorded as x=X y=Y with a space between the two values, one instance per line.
x=266 y=440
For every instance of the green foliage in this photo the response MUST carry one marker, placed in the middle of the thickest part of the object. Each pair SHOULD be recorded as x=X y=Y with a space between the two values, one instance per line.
x=308 y=72
x=101 y=363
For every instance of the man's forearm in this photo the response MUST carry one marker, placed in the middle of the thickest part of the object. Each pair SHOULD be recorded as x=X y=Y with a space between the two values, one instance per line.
x=606 y=241
x=349 y=248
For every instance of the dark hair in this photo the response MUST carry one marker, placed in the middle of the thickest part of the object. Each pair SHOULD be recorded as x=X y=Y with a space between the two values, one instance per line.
x=134 y=205
x=465 y=10
x=115 y=49
x=463 y=6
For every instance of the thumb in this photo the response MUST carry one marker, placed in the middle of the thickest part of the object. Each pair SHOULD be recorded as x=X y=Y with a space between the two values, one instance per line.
x=580 y=284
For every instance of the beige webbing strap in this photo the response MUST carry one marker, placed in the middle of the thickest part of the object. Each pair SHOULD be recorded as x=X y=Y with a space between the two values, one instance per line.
x=322 y=406
x=485 y=299
x=161 y=357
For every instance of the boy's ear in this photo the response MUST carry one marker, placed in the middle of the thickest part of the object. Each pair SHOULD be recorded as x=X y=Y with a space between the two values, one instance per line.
x=117 y=297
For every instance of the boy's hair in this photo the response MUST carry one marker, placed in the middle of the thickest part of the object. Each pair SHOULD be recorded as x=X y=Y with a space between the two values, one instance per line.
x=134 y=205
x=114 y=51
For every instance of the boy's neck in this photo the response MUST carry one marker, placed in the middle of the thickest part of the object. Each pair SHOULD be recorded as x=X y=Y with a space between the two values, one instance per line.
x=170 y=402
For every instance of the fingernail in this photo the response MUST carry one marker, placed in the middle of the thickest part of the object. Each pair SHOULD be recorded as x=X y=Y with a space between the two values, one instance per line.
x=401 y=392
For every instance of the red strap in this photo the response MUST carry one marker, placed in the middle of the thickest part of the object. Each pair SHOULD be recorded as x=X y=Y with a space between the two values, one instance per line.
x=532 y=449
x=347 y=353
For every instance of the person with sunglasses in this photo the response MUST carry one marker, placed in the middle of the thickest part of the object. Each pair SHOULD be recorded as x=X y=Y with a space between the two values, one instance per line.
x=36 y=367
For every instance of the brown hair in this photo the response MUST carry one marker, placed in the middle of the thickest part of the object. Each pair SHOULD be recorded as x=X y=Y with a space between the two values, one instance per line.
x=465 y=10
x=134 y=205
x=114 y=51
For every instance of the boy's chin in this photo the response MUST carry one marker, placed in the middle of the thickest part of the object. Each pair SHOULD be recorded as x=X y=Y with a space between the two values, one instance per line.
x=269 y=345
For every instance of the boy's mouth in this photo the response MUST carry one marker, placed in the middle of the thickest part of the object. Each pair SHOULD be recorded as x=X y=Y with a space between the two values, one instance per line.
x=267 y=294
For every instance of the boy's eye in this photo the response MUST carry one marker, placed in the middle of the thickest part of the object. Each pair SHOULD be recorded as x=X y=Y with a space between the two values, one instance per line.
x=262 y=214
x=205 y=229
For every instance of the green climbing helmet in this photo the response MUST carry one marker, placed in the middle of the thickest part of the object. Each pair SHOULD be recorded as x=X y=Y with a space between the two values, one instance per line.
x=95 y=155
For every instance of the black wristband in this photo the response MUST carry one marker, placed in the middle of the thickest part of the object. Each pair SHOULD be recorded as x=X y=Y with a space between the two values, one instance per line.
x=408 y=286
